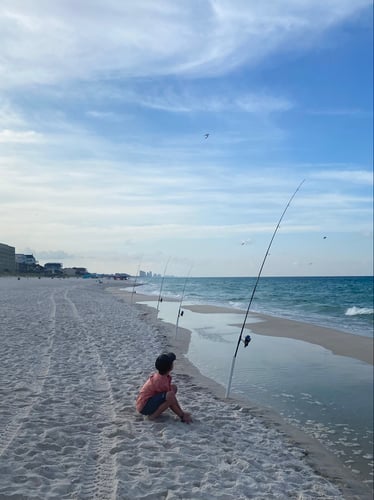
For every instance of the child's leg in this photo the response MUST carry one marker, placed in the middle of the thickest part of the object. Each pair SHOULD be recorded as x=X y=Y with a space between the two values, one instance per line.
x=172 y=403
x=160 y=409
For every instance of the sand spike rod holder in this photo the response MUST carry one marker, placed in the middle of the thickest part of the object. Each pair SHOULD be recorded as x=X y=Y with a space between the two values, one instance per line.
x=255 y=286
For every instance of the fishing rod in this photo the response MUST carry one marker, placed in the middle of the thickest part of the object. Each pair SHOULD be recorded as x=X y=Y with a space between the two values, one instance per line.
x=180 y=312
x=136 y=278
x=248 y=338
x=162 y=283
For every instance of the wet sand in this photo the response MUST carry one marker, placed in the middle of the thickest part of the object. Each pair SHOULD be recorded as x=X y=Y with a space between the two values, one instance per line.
x=341 y=343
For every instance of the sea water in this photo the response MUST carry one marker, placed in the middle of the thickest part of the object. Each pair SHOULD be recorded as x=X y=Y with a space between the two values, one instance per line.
x=329 y=397
x=343 y=303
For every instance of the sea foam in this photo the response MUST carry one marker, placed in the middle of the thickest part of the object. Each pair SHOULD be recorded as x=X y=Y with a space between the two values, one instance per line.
x=354 y=311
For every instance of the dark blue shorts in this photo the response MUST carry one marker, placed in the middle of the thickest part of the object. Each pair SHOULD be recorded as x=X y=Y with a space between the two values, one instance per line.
x=153 y=403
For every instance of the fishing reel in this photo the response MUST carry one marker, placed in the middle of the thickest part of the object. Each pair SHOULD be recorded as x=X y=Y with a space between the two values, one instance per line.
x=247 y=340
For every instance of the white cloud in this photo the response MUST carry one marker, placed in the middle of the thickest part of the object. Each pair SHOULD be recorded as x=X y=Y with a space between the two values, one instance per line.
x=9 y=117
x=103 y=115
x=53 y=255
x=50 y=42
x=354 y=176
x=113 y=199
x=180 y=101
x=15 y=136
x=348 y=112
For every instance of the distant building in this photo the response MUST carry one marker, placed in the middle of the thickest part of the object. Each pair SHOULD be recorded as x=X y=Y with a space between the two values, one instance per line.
x=146 y=274
x=121 y=276
x=53 y=268
x=25 y=259
x=80 y=271
x=26 y=263
x=75 y=271
x=7 y=259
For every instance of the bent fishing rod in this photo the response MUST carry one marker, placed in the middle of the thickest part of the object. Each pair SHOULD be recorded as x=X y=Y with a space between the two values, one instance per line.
x=247 y=339
x=162 y=284
x=136 y=279
x=180 y=312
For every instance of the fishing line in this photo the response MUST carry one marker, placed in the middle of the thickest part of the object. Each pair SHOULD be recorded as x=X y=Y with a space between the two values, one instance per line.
x=180 y=312
x=162 y=284
x=247 y=339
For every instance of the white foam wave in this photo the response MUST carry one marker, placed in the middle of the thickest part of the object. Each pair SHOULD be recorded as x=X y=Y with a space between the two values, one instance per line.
x=354 y=311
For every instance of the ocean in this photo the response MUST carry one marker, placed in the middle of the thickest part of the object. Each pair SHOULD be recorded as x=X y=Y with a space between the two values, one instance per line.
x=327 y=396
x=343 y=303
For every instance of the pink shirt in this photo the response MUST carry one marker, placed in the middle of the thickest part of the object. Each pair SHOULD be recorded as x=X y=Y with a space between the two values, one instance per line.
x=155 y=384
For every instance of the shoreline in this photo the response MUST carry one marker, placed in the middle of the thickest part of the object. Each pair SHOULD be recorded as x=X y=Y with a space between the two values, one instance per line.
x=324 y=461
x=338 y=342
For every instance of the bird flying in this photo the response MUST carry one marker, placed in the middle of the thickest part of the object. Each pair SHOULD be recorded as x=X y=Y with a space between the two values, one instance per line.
x=206 y=136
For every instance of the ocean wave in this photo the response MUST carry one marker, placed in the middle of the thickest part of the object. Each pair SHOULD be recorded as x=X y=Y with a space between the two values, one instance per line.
x=354 y=311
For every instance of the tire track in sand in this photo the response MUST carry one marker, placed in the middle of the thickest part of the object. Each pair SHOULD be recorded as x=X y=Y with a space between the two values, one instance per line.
x=12 y=429
x=98 y=480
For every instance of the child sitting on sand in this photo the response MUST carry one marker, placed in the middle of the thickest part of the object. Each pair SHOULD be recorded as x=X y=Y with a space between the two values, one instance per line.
x=158 y=393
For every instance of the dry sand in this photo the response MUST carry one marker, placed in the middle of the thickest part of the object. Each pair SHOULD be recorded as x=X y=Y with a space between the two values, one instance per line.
x=73 y=359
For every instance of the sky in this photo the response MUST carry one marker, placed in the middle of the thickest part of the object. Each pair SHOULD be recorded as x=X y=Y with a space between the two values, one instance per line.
x=104 y=111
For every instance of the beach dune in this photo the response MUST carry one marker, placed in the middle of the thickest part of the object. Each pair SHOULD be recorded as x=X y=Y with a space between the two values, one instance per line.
x=73 y=359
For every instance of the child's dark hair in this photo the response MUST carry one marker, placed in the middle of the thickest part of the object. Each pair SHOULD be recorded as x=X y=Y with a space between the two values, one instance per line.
x=165 y=362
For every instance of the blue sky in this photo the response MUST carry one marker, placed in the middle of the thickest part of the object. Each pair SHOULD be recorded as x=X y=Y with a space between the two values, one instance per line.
x=103 y=111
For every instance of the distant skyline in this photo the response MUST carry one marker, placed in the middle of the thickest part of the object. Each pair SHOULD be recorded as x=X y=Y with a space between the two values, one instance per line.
x=132 y=133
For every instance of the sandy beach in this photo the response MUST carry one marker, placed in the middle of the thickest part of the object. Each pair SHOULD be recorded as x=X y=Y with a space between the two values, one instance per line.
x=74 y=355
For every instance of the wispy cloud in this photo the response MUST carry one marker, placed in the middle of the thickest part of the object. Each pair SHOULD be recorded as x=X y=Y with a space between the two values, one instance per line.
x=9 y=117
x=15 y=136
x=115 y=195
x=349 y=112
x=52 y=254
x=183 y=101
x=365 y=177
x=105 y=115
x=48 y=42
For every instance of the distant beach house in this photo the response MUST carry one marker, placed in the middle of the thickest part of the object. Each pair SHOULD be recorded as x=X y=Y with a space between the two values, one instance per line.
x=74 y=271
x=121 y=276
x=53 y=268
x=25 y=263
x=7 y=259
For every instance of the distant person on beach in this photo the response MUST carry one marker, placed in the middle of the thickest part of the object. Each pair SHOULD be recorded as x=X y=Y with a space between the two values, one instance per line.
x=158 y=393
